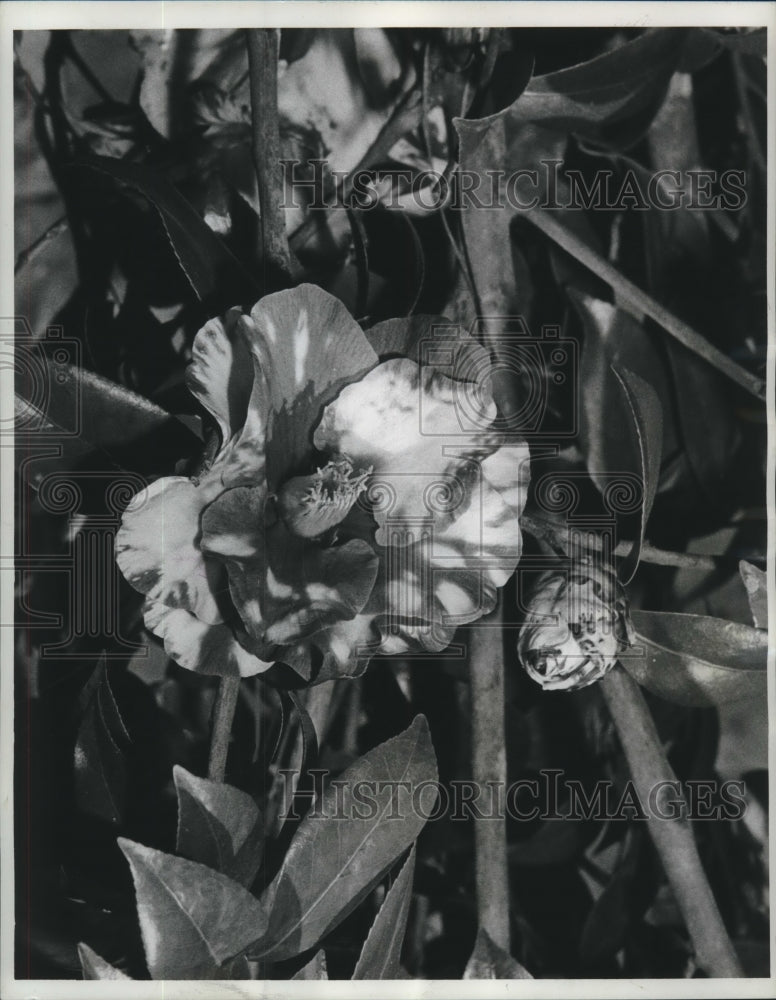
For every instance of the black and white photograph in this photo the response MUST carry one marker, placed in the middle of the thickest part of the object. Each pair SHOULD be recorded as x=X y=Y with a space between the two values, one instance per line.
x=386 y=499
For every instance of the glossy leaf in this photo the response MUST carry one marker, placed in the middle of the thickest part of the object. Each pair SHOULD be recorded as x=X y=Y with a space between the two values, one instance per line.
x=332 y=862
x=695 y=660
x=218 y=826
x=488 y=961
x=95 y=967
x=380 y=957
x=591 y=95
x=100 y=763
x=756 y=583
x=192 y=918
x=94 y=414
x=647 y=415
x=204 y=259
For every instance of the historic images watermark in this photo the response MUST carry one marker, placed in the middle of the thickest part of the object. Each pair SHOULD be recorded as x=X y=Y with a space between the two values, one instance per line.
x=549 y=796
x=312 y=184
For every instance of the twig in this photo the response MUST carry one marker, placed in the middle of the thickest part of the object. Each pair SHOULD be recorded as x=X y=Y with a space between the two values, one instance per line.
x=263 y=46
x=223 y=714
x=673 y=838
x=638 y=302
x=489 y=769
x=557 y=537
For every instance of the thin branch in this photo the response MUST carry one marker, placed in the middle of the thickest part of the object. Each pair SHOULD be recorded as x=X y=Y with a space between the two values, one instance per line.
x=263 y=44
x=489 y=770
x=555 y=535
x=637 y=301
x=223 y=715
x=673 y=838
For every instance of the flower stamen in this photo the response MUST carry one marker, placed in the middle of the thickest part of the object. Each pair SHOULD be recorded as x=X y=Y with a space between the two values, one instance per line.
x=311 y=505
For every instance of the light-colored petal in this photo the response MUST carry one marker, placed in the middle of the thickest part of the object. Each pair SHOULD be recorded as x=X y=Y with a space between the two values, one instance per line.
x=406 y=422
x=205 y=649
x=308 y=346
x=221 y=372
x=157 y=549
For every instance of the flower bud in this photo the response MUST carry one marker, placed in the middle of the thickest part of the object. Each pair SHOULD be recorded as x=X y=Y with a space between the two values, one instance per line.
x=576 y=626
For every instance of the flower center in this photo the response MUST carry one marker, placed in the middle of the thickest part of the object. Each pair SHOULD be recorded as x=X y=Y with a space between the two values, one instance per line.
x=311 y=505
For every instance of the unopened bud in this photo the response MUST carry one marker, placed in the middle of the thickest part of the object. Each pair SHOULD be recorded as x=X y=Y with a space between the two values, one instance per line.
x=576 y=627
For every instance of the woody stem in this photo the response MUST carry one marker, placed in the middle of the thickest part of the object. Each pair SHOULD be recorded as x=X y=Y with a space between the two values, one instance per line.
x=223 y=716
x=489 y=769
x=673 y=838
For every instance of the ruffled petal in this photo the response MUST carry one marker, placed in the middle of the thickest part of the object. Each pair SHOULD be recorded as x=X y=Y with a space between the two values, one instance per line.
x=284 y=587
x=308 y=347
x=157 y=549
x=407 y=424
x=205 y=649
x=221 y=372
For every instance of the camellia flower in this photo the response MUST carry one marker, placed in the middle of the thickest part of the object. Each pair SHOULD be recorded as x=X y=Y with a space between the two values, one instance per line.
x=362 y=501
x=576 y=626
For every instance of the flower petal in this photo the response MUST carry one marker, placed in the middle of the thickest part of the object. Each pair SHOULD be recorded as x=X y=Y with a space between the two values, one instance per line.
x=157 y=548
x=284 y=587
x=205 y=649
x=435 y=344
x=221 y=372
x=308 y=346
x=406 y=423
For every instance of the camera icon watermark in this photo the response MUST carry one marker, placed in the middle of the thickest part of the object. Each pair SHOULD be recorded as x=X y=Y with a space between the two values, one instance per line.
x=48 y=397
x=515 y=364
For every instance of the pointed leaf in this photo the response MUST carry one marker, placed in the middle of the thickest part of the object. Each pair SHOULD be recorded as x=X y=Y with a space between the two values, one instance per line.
x=488 y=961
x=647 y=415
x=756 y=583
x=380 y=957
x=218 y=826
x=192 y=919
x=596 y=94
x=94 y=414
x=343 y=846
x=315 y=968
x=695 y=660
x=100 y=764
x=204 y=259
x=95 y=967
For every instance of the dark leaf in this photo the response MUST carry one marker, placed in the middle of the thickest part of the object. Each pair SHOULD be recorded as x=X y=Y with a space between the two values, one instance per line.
x=95 y=967
x=647 y=416
x=46 y=273
x=218 y=826
x=315 y=968
x=598 y=93
x=695 y=660
x=380 y=957
x=100 y=763
x=488 y=961
x=91 y=413
x=756 y=583
x=553 y=843
x=608 y=922
x=753 y=42
x=205 y=260
x=192 y=919
x=333 y=861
